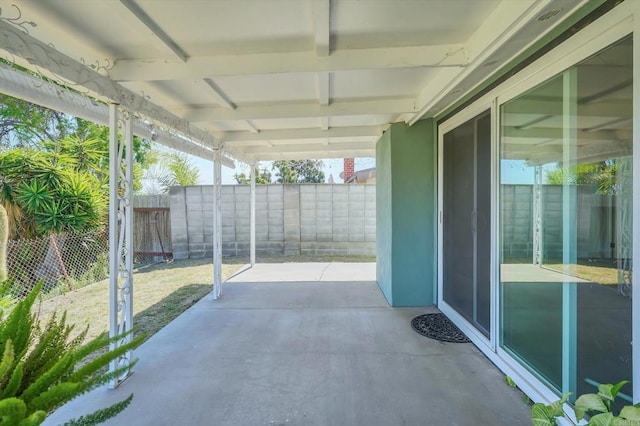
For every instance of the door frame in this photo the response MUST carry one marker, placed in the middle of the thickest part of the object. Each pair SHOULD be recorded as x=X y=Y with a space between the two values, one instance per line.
x=465 y=326
x=604 y=31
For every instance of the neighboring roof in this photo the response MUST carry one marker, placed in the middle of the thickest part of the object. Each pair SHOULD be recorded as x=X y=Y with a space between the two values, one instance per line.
x=363 y=174
x=277 y=79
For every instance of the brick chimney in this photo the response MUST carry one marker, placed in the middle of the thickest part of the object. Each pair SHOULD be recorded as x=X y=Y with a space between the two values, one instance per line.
x=349 y=164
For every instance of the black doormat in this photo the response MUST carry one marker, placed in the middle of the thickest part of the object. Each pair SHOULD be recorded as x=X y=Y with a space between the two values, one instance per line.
x=438 y=327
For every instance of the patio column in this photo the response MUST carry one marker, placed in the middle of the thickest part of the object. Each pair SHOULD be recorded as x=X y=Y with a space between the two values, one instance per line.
x=217 y=223
x=120 y=238
x=252 y=229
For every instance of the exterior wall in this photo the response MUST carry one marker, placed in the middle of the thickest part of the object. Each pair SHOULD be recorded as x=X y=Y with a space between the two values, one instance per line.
x=406 y=162
x=290 y=219
x=384 y=216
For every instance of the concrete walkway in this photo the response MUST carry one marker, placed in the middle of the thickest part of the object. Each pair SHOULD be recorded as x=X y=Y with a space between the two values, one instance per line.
x=306 y=352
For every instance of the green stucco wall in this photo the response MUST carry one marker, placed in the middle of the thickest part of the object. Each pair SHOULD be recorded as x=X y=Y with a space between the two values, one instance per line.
x=406 y=211
x=383 y=215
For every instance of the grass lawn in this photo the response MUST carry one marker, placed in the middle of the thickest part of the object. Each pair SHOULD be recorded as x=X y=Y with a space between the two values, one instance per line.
x=161 y=292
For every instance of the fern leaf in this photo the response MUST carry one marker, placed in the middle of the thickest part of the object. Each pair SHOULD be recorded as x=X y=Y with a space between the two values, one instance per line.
x=7 y=361
x=93 y=366
x=54 y=397
x=34 y=419
x=102 y=415
x=107 y=377
x=14 y=382
x=48 y=379
x=12 y=411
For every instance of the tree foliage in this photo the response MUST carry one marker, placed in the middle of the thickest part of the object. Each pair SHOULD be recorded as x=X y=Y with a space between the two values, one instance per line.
x=173 y=169
x=263 y=177
x=25 y=125
x=30 y=126
x=298 y=171
x=603 y=174
x=42 y=368
x=50 y=191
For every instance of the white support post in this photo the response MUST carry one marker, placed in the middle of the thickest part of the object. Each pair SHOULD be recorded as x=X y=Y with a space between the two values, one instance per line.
x=252 y=229
x=217 y=224
x=120 y=240
x=113 y=229
x=569 y=232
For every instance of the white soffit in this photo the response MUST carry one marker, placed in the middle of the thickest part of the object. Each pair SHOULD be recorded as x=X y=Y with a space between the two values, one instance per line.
x=308 y=72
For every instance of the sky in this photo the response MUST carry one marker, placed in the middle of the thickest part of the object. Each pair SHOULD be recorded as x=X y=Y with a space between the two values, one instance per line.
x=332 y=167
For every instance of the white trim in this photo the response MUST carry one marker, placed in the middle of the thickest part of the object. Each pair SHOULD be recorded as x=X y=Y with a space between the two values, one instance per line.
x=494 y=223
x=608 y=29
x=605 y=31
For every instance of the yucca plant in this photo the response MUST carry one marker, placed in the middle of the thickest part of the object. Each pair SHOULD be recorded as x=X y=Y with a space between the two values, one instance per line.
x=42 y=368
x=49 y=192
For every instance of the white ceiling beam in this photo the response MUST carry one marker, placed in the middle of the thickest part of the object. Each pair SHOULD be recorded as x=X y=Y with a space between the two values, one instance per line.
x=285 y=148
x=155 y=29
x=299 y=110
x=322 y=26
x=502 y=24
x=436 y=56
x=292 y=134
x=220 y=97
x=251 y=127
x=324 y=88
x=272 y=156
x=32 y=89
x=44 y=57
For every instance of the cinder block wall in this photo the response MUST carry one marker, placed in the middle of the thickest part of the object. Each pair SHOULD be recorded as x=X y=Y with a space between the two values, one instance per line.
x=310 y=219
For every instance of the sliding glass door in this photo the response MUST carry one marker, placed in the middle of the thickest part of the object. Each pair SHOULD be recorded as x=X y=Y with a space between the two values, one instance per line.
x=466 y=213
x=565 y=224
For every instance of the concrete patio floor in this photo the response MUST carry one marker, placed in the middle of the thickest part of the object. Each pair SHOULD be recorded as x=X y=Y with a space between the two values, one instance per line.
x=320 y=350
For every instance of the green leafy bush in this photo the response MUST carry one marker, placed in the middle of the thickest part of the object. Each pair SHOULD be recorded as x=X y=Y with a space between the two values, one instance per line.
x=599 y=405
x=42 y=368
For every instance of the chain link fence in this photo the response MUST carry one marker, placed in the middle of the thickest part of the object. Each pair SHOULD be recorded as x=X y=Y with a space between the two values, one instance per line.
x=68 y=261
x=63 y=262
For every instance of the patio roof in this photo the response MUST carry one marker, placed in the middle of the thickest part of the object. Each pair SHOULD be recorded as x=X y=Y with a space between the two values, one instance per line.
x=280 y=79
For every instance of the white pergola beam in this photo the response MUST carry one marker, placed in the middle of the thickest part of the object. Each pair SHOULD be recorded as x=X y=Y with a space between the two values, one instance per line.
x=300 y=110
x=155 y=29
x=256 y=151
x=220 y=97
x=292 y=134
x=437 y=56
x=45 y=57
x=316 y=154
x=323 y=88
x=37 y=91
x=322 y=26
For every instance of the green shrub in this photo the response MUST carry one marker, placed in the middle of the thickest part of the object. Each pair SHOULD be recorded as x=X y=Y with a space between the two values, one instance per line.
x=599 y=405
x=42 y=368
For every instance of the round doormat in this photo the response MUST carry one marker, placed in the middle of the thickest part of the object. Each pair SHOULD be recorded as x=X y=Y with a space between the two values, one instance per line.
x=438 y=327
